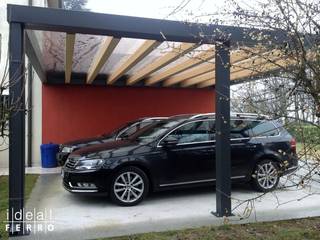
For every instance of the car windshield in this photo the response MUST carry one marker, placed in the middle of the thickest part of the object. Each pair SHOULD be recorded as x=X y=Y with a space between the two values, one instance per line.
x=119 y=129
x=135 y=127
x=129 y=129
x=156 y=130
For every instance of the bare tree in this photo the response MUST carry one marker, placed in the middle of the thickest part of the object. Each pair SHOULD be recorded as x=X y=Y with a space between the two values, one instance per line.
x=8 y=107
x=292 y=90
x=78 y=5
x=299 y=58
x=289 y=84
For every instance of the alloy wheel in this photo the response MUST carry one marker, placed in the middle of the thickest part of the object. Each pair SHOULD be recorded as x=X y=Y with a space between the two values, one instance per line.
x=128 y=187
x=267 y=175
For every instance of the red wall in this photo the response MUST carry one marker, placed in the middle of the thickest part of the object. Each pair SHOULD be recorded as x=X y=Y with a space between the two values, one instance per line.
x=71 y=112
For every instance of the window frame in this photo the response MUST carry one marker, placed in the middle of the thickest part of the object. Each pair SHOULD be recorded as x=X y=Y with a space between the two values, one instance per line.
x=213 y=141
x=276 y=128
x=183 y=124
x=125 y=129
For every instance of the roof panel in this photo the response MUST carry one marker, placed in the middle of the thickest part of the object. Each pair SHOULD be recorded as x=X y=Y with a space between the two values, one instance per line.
x=161 y=50
x=86 y=47
x=53 y=50
x=125 y=48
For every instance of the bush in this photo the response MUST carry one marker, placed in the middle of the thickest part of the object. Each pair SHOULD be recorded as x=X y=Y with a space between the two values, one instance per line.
x=305 y=132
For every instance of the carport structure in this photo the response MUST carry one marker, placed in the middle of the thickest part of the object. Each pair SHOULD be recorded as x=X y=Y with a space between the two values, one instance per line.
x=195 y=55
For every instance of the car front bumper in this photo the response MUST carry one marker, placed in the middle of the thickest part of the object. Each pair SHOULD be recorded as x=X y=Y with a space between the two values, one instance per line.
x=90 y=181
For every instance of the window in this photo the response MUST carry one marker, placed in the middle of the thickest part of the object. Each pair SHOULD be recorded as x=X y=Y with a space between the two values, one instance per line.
x=199 y=131
x=240 y=128
x=157 y=130
x=134 y=128
x=263 y=128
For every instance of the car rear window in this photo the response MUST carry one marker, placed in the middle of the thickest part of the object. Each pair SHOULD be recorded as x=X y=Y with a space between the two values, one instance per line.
x=244 y=128
x=265 y=129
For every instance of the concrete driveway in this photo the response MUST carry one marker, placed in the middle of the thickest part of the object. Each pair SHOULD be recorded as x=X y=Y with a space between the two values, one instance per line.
x=89 y=217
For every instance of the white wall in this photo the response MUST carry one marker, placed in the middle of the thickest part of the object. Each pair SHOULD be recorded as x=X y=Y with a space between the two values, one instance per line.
x=36 y=121
x=37 y=91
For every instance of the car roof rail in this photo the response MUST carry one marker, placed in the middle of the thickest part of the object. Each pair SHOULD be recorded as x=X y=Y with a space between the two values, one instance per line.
x=153 y=118
x=250 y=115
x=202 y=115
x=185 y=115
x=233 y=114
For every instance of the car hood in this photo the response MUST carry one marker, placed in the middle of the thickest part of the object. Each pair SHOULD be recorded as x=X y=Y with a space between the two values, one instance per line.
x=89 y=141
x=116 y=148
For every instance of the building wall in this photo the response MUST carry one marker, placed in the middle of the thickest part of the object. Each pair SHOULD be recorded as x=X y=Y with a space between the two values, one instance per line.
x=71 y=112
x=36 y=120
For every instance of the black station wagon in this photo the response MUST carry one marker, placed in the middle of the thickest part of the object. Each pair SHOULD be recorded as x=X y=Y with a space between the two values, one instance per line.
x=180 y=152
x=122 y=132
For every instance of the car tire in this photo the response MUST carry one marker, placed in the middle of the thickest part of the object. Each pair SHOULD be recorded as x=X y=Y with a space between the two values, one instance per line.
x=265 y=177
x=129 y=186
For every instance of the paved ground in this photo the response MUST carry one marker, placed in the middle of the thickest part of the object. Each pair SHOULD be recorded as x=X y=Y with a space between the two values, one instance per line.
x=80 y=217
x=33 y=170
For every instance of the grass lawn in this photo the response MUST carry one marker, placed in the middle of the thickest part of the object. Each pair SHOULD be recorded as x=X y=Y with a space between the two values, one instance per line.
x=29 y=183
x=308 y=228
x=308 y=151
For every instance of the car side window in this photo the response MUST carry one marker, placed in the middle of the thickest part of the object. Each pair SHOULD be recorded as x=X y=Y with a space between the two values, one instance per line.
x=240 y=128
x=199 y=131
x=265 y=129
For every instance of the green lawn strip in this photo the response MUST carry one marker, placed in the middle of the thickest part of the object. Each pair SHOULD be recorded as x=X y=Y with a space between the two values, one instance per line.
x=30 y=180
x=308 y=228
x=308 y=151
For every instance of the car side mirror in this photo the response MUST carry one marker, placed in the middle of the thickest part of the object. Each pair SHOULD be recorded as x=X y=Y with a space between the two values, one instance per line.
x=169 y=142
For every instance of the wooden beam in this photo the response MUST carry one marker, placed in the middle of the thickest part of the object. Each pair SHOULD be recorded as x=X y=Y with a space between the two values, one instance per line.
x=199 y=79
x=236 y=56
x=207 y=83
x=196 y=71
x=259 y=70
x=70 y=39
x=256 y=60
x=191 y=62
x=147 y=47
x=105 y=51
x=247 y=73
x=161 y=62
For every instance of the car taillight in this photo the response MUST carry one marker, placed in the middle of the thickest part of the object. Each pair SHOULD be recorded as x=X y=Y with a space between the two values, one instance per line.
x=293 y=145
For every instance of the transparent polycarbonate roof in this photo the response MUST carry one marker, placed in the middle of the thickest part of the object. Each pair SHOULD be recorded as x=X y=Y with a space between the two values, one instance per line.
x=88 y=53
x=53 y=47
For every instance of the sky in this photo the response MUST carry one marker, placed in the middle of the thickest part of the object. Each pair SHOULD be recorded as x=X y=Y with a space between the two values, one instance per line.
x=155 y=8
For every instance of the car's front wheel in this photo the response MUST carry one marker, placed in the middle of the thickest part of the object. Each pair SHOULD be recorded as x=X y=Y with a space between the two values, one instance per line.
x=129 y=186
x=266 y=176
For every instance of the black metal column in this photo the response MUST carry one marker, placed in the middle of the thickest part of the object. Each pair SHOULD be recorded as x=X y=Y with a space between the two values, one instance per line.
x=17 y=129
x=223 y=162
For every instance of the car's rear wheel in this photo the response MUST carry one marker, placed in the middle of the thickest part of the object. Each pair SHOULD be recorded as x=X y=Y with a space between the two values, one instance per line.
x=266 y=176
x=129 y=186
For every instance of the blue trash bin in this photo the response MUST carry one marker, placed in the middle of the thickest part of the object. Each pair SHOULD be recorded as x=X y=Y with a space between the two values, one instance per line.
x=48 y=155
